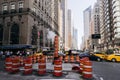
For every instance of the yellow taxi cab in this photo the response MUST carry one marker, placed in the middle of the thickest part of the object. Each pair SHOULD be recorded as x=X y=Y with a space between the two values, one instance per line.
x=100 y=54
x=39 y=54
x=113 y=57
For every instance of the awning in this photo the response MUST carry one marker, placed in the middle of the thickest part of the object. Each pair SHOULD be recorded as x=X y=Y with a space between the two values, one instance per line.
x=16 y=46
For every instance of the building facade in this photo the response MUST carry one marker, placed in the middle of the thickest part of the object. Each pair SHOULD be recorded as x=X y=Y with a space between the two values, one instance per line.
x=95 y=26
x=87 y=18
x=69 y=35
x=64 y=20
x=75 y=38
x=109 y=23
x=28 y=21
x=116 y=22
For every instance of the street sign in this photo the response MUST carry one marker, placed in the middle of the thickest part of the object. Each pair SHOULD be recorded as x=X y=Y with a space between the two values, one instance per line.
x=96 y=36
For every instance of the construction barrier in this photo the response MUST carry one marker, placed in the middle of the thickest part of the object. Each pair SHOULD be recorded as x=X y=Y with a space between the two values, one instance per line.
x=34 y=58
x=66 y=59
x=77 y=58
x=87 y=69
x=42 y=65
x=21 y=62
x=15 y=64
x=61 y=58
x=8 y=64
x=57 y=68
x=28 y=66
x=38 y=58
x=82 y=63
x=72 y=59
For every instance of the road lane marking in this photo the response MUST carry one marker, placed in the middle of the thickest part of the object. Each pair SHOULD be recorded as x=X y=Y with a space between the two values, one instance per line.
x=101 y=78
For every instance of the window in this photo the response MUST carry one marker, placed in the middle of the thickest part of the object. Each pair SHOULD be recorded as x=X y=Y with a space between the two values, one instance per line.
x=14 y=35
x=5 y=7
x=21 y=4
x=34 y=9
x=1 y=33
x=35 y=1
x=12 y=5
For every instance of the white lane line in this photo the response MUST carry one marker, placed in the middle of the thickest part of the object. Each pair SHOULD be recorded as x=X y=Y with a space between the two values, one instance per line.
x=101 y=78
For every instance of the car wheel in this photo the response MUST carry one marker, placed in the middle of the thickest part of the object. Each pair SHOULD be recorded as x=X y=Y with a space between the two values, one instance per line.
x=113 y=60
x=98 y=59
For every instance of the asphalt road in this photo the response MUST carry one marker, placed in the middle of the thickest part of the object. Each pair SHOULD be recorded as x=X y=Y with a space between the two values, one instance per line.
x=106 y=70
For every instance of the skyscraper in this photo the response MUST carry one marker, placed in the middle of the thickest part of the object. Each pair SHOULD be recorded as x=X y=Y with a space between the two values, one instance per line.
x=109 y=23
x=75 y=38
x=69 y=34
x=95 y=26
x=64 y=19
x=87 y=18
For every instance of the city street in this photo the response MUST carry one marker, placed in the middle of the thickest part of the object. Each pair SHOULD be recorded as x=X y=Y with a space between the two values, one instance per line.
x=106 y=70
x=68 y=74
x=59 y=39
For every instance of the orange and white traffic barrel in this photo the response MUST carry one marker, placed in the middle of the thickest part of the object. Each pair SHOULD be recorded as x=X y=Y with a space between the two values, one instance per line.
x=87 y=69
x=85 y=59
x=38 y=58
x=28 y=66
x=82 y=61
x=34 y=58
x=66 y=59
x=57 y=68
x=72 y=58
x=21 y=62
x=61 y=58
x=8 y=64
x=77 y=58
x=15 y=64
x=81 y=65
x=42 y=65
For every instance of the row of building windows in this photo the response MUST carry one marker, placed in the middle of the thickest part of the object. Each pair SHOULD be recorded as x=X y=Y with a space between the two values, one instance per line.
x=13 y=5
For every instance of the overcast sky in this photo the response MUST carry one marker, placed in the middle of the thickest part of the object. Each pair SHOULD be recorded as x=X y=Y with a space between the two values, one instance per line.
x=77 y=7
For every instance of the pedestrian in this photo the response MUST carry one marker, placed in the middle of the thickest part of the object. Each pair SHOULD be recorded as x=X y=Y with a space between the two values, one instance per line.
x=7 y=53
x=28 y=53
x=18 y=53
x=1 y=53
x=11 y=53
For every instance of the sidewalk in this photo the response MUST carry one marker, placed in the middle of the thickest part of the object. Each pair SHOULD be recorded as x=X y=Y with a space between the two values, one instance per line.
x=67 y=73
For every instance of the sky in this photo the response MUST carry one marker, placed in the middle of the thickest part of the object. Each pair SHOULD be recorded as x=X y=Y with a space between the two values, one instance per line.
x=77 y=7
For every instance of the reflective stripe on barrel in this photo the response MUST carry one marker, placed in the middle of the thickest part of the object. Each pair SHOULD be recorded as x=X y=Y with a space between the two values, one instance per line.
x=42 y=65
x=15 y=65
x=28 y=66
x=57 y=68
x=8 y=64
x=87 y=69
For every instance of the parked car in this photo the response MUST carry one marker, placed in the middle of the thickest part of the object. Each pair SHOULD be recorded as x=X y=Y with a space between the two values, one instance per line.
x=100 y=54
x=90 y=56
x=113 y=57
x=82 y=55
